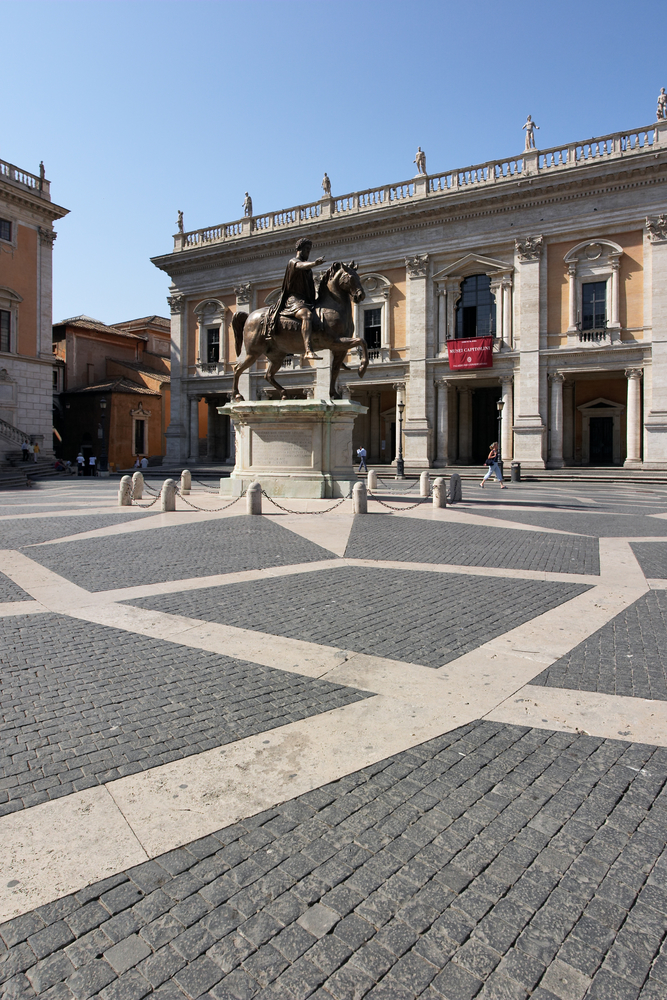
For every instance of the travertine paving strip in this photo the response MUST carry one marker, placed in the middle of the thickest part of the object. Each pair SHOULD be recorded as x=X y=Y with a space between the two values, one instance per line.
x=627 y=656
x=425 y=618
x=495 y=861
x=211 y=546
x=417 y=540
x=108 y=703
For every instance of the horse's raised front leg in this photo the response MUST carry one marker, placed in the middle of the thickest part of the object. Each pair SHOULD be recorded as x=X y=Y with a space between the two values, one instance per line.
x=336 y=364
x=238 y=371
x=350 y=344
x=274 y=366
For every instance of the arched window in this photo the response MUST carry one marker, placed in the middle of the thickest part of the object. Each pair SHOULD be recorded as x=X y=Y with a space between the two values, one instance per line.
x=476 y=309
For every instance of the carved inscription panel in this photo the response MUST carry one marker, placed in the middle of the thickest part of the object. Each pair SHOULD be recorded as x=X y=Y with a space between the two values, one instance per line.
x=279 y=447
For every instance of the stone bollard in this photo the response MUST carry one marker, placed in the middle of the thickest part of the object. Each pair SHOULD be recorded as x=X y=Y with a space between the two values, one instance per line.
x=168 y=495
x=186 y=481
x=137 y=486
x=125 y=492
x=253 y=499
x=455 y=493
x=439 y=492
x=424 y=484
x=360 y=498
x=372 y=481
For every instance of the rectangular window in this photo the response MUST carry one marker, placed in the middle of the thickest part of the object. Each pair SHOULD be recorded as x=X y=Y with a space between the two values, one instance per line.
x=5 y=230
x=139 y=437
x=594 y=305
x=55 y=379
x=5 y=329
x=213 y=344
x=373 y=328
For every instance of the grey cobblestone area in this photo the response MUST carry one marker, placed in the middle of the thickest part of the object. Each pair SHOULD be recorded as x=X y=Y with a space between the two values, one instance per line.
x=652 y=557
x=155 y=555
x=417 y=617
x=17 y=532
x=495 y=862
x=83 y=704
x=411 y=540
x=627 y=656
x=10 y=591
x=598 y=524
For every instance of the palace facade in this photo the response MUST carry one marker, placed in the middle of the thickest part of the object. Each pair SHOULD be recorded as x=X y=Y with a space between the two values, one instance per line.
x=558 y=255
x=27 y=215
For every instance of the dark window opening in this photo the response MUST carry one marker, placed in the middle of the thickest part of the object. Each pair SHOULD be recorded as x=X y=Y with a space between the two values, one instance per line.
x=5 y=329
x=5 y=230
x=213 y=344
x=139 y=437
x=476 y=309
x=373 y=328
x=55 y=379
x=594 y=305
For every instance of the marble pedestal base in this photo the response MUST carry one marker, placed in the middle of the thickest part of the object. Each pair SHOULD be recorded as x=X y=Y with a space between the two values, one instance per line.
x=294 y=448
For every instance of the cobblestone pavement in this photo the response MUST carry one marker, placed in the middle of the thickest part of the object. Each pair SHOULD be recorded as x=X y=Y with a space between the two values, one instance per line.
x=600 y=525
x=469 y=545
x=109 y=703
x=626 y=657
x=156 y=555
x=10 y=592
x=652 y=557
x=494 y=861
x=416 y=617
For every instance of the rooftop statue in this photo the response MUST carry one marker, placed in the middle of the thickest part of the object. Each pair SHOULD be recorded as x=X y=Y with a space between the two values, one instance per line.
x=247 y=205
x=530 y=127
x=420 y=160
x=303 y=320
x=326 y=185
x=179 y=221
x=662 y=104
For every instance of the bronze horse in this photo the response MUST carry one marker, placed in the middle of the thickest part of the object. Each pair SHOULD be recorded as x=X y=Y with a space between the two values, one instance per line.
x=339 y=287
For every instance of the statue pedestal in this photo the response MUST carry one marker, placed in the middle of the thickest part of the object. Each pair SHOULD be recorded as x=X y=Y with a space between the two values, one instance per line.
x=294 y=448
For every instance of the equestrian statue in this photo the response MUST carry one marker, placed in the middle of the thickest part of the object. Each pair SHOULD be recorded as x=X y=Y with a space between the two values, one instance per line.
x=302 y=321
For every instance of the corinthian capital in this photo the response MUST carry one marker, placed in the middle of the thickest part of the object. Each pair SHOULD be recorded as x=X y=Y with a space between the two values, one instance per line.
x=47 y=237
x=176 y=303
x=417 y=266
x=530 y=248
x=657 y=231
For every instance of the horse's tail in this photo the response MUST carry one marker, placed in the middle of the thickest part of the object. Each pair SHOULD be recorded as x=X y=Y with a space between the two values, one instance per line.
x=238 y=322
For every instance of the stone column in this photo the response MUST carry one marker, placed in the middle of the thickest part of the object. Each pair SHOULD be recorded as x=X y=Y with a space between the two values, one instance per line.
x=572 y=291
x=556 y=449
x=465 y=426
x=496 y=288
x=416 y=425
x=507 y=311
x=655 y=247
x=507 y=419
x=193 y=455
x=633 y=418
x=211 y=428
x=568 y=423
x=442 y=427
x=374 y=449
x=442 y=318
x=176 y=433
x=529 y=428
x=453 y=289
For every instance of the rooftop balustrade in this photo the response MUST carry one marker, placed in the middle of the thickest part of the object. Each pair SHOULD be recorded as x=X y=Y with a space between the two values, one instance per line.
x=530 y=163
x=37 y=184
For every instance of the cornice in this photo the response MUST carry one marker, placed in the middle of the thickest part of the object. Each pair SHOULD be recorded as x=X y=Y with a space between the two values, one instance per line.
x=48 y=209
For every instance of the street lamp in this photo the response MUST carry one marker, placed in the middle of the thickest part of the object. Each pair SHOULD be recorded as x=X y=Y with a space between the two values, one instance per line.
x=400 y=467
x=500 y=404
x=103 y=457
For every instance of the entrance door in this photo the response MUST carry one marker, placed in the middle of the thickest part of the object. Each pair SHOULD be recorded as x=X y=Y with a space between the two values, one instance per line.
x=484 y=422
x=602 y=440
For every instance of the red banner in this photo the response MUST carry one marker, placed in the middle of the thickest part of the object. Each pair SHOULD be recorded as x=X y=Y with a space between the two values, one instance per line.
x=476 y=352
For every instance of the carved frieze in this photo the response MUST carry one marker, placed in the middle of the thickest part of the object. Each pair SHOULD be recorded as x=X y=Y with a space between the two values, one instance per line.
x=657 y=230
x=242 y=293
x=530 y=248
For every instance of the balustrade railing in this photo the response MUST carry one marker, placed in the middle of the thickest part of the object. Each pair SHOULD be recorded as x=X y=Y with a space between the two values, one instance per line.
x=39 y=185
x=532 y=162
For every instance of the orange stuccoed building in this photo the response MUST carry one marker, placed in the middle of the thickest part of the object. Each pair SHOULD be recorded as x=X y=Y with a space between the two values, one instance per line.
x=27 y=215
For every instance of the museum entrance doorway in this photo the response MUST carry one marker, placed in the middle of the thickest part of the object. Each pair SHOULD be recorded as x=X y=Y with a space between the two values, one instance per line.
x=484 y=421
x=602 y=441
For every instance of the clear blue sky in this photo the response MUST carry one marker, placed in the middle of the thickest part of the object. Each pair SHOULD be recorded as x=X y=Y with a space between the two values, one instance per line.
x=141 y=108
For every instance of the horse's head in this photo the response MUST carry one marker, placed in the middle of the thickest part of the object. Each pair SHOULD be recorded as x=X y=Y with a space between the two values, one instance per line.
x=350 y=282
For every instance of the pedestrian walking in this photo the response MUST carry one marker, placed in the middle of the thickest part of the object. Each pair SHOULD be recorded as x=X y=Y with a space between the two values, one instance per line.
x=92 y=464
x=81 y=463
x=24 y=450
x=35 y=451
x=494 y=468
x=361 y=452
x=31 y=452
